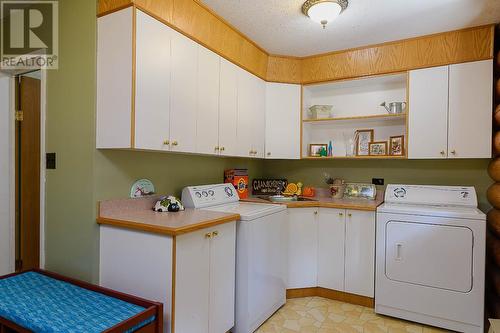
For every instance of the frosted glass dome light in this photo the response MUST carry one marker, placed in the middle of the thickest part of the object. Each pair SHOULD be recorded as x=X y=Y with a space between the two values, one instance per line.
x=323 y=11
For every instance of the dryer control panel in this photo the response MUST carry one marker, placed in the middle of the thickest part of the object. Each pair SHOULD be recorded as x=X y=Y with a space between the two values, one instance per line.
x=209 y=195
x=431 y=195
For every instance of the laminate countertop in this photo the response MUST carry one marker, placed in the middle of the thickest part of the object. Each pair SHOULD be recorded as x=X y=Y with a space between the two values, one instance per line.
x=138 y=214
x=328 y=202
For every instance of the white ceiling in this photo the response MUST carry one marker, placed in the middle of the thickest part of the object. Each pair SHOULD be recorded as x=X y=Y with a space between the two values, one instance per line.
x=279 y=26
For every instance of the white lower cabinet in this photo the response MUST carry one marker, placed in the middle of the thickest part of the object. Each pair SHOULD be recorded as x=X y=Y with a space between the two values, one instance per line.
x=333 y=249
x=205 y=280
x=302 y=247
x=331 y=242
x=360 y=253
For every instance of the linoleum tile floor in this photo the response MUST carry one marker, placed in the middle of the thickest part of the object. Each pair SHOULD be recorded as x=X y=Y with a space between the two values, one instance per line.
x=320 y=315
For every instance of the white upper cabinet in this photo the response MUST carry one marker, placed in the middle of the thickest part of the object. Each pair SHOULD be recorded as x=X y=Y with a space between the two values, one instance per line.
x=152 y=100
x=470 y=110
x=114 y=80
x=184 y=94
x=282 y=121
x=228 y=108
x=428 y=116
x=450 y=111
x=207 y=123
x=251 y=115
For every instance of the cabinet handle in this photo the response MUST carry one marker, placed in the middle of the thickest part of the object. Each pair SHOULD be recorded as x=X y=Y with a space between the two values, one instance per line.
x=222 y=148
x=208 y=235
x=315 y=212
x=174 y=143
x=442 y=152
x=215 y=233
x=216 y=148
x=166 y=142
x=268 y=153
x=341 y=214
x=350 y=215
x=453 y=152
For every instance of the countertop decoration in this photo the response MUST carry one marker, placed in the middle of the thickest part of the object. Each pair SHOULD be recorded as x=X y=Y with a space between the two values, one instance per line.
x=141 y=188
x=168 y=204
x=336 y=186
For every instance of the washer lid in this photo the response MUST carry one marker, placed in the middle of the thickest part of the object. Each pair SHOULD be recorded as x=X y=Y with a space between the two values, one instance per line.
x=248 y=211
x=460 y=212
x=431 y=195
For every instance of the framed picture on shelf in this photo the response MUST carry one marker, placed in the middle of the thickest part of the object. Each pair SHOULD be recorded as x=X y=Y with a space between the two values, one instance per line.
x=318 y=149
x=397 y=145
x=378 y=148
x=363 y=139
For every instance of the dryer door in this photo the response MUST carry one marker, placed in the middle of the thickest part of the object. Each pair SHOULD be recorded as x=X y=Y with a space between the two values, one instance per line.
x=432 y=255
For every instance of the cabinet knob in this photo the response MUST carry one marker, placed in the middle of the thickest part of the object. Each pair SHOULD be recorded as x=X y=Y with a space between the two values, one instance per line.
x=166 y=142
x=216 y=148
x=174 y=143
x=442 y=152
x=341 y=214
x=453 y=152
x=350 y=215
x=215 y=233
x=222 y=148
x=268 y=153
x=315 y=212
x=208 y=235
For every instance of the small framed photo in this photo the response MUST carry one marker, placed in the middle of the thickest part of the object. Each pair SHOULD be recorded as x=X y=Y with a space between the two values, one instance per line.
x=363 y=139
x=397 y=145
x=378 y=148
x=315 y=149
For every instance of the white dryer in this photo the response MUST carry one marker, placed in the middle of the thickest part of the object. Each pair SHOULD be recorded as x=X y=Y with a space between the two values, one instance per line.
x=430 y=256
x=261 y=258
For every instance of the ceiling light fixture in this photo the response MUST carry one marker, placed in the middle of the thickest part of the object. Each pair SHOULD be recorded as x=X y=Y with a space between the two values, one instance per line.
x=324 y=11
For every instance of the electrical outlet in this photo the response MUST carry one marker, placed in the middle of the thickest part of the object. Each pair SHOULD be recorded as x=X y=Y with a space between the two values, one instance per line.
x=378 y=181
x=50 y=161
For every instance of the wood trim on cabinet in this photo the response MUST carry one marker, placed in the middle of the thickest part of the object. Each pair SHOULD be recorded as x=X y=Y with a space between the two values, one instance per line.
x=331 y=294
x=203 y=25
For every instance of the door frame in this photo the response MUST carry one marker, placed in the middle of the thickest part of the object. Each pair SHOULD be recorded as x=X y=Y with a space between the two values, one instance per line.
x=43 y=108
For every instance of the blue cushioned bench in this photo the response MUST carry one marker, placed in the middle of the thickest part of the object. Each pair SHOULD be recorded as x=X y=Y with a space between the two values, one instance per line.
x=43 y=302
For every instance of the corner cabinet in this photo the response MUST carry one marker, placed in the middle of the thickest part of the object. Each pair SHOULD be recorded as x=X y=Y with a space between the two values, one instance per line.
x=450 y=111
x=333 y=249
x=159 y=90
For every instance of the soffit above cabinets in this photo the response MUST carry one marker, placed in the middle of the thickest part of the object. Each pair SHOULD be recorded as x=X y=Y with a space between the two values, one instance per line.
x=279 y=27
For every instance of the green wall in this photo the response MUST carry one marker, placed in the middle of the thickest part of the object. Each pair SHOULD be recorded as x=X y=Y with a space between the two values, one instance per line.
x=430 y=172
x=85 y=175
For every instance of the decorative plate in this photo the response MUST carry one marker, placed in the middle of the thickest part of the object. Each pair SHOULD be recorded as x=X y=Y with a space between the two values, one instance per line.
x=141 y=188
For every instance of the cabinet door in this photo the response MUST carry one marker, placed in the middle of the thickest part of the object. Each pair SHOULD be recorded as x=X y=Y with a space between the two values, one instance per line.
x=251 y=115
x=152 y=100
x=360 y=253
x=184 y=94
x=192 y=279
x=228 y=108
x=207 y=123
x=222 y=278
x=428 y=113
x=302 y=247
x=282 y=121
x=331 y=236
x=471 y=98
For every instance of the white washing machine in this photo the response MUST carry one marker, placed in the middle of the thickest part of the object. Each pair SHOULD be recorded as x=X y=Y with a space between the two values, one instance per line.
x=431 y=256
x=261 y=257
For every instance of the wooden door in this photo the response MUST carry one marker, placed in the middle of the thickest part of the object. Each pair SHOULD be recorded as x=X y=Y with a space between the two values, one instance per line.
x=207 y=119
x=228 y=108
x=184 y=94
x=28 y=174
x=428 y=115
x=152 y=99
x=192 y=282
x=331 y=236
x=360 y=253
x=222 y=278
x=302 y=247
x=469 y=131
x=282 y=120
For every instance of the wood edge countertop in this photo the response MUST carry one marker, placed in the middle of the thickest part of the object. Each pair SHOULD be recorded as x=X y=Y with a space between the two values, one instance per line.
x=327 y=202
x=137 y=214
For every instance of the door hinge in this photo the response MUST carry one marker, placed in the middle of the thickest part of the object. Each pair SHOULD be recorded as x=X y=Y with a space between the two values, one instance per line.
x=19 y=265
x=19 y=115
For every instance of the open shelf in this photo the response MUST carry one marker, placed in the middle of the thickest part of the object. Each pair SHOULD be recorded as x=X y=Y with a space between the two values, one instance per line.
x=361 y=118
x=384 y=157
